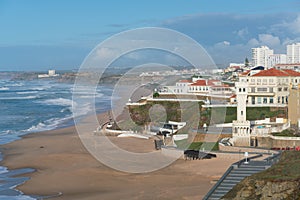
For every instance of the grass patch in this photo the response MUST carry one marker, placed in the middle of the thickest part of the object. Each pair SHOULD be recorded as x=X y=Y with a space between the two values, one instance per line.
x=286 y=169
x=286 y=133
x=175 y=111
x=183 y=144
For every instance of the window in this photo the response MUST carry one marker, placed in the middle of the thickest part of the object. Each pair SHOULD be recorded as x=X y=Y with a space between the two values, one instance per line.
x=253 y=90
x=271 y=100
x=259 y=100
x=285 y=89
x=252 y=80
x=253 y=100
x=262 y=89
x=296 y=80
x=264 y=81
x=270 y=80
x=244 y=89
x=279 y=89
x=282 y=99
x=242 y=112
x=286 y=99
x=271 y=89
x=278 y=100
x=258 y=81
x=240 y=89
x=265 y=100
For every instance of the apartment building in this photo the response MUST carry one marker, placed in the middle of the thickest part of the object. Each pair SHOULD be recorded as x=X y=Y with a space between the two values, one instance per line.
x=269 y=87
x=260 y=56
x=293 y=53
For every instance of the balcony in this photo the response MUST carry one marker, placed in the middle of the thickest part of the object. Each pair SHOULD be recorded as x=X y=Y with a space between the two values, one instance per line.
x=267 y=94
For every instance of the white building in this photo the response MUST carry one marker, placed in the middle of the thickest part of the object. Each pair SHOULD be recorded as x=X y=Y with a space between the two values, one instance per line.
x=293 y=53
x=294 y=66
x=275 y=59
x=269 y=87
x=51 y=73
x=260 y=56
x=199 y=87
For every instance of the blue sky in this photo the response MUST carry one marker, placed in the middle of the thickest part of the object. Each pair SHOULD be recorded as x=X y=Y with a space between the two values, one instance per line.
x=38 y=35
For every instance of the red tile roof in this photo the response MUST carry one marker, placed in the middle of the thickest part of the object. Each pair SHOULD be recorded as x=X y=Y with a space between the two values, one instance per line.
x=291 y=72
x=272 y=72
x=199 y=83
x=213 y=83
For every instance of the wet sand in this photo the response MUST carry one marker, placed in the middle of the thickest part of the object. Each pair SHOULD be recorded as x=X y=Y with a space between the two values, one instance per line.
x=64 y=166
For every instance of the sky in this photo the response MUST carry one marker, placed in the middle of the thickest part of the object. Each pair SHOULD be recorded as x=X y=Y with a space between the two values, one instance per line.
x=39 y=35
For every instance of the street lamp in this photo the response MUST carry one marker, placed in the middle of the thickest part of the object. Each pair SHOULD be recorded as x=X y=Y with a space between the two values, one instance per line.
x=246 y=155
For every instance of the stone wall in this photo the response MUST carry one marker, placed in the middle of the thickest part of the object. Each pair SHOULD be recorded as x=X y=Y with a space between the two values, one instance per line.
x=269 y=142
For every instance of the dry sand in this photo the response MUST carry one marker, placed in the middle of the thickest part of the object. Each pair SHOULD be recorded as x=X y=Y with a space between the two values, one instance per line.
x=64 y=166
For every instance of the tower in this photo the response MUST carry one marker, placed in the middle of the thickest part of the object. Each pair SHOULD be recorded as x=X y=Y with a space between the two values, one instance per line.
x=241 y=126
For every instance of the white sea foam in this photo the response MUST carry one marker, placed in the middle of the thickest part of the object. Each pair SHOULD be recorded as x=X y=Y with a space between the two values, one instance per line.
x=27 y=92
x=3 y=170
x=58 y=102
x=49 y=124
x=4 y=88
x=18 y=98
x=15 y=84
x=20 y=197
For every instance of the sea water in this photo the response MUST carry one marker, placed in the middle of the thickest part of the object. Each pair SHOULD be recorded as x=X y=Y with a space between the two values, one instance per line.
x=34 y=106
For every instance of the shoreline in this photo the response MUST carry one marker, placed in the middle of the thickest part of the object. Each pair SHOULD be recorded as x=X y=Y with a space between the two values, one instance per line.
x=63 y=165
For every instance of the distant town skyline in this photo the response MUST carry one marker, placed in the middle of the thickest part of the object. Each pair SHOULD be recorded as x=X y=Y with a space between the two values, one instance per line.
x=39 y=35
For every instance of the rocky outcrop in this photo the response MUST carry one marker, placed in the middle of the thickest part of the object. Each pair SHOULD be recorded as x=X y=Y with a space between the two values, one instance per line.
x=252 y=189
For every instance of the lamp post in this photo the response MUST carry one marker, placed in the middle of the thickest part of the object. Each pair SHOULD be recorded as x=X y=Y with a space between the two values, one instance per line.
x=246 y=156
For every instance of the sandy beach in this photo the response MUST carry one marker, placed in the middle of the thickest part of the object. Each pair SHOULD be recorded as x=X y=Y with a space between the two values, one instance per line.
x=64 y=166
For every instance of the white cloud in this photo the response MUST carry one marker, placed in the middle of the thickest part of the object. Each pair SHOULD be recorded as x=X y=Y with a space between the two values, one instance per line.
x=222 y=44
x=291 y=26
x=242 y=33
x=269 y=40
x=253 y=42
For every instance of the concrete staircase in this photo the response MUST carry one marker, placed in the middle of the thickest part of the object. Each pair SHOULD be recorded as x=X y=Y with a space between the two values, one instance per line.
x=235 y=174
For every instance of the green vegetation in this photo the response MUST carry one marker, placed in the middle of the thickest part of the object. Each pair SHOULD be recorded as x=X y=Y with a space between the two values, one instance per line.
x=211 y=146
x=175 y=110
x=247 y=63
x=156 y=95
x=286 y=169
x=140 y=114
x=287 y=133
x=257 y=113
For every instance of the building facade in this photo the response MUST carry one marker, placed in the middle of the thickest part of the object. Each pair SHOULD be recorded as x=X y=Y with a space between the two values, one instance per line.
x=293 y=53
x=199 y=87
x=275 y=59
x=269 y=87
x=260 y=56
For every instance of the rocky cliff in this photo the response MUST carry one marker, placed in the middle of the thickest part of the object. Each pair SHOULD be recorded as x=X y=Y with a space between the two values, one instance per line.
x=251 y=189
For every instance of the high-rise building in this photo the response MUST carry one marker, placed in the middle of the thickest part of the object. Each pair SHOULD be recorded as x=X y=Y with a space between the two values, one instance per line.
x=260 y=56
x=293 y=53
x=275 y=59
